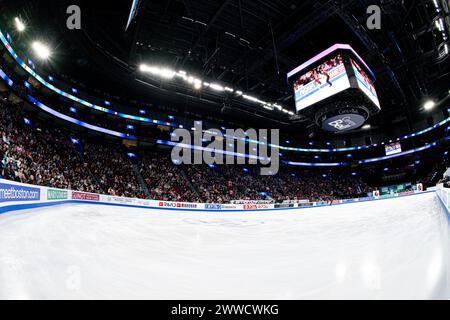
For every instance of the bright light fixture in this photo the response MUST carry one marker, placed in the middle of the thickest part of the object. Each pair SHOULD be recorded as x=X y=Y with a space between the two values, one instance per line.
x=162 y=72
x=430 y=104
x=198 y=84
x=143 y=68
x=216 y=87
x=41 y=50
x=20 y=26
x=366 y=127
x=167 y=73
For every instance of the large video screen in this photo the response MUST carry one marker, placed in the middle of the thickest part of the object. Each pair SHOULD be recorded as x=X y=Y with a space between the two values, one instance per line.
x=365 y=83
x=321 y=82
x=393 y=148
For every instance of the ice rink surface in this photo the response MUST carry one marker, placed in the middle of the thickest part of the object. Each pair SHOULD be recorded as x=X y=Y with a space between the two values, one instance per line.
x=390 y=249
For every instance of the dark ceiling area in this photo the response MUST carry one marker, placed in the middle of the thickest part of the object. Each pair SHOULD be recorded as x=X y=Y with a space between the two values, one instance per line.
x=249 y=44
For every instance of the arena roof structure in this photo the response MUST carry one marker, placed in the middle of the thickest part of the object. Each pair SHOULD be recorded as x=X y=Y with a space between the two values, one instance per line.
x=246 y=46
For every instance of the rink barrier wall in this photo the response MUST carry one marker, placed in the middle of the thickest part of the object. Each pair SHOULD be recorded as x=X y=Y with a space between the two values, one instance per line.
x=444 y=196
x=19 y=196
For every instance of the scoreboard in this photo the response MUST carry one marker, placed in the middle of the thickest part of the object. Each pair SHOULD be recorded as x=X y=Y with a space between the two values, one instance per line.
x=336 y=88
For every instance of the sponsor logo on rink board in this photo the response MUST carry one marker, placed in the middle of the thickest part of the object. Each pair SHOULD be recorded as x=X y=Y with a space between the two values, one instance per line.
x=12 y=192
x=53 y=194
x=213 y=206
x=283 y=205
x=85 y=196
x=255 y=206
x=121 y=200
x=177 y=205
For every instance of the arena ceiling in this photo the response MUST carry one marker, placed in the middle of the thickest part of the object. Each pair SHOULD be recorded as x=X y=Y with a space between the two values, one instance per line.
x=250 y=44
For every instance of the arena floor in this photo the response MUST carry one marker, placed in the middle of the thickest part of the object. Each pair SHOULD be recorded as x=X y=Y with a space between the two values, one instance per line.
x=390 y=249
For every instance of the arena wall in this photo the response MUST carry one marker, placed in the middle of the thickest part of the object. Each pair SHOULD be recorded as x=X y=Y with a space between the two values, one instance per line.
x=19 y=196
x=444 y=195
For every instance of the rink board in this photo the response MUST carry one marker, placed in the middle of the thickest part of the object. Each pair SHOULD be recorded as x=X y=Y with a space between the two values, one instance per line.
x=396 y=249
x=18 y=196
x=444 y=197
x=368 y=250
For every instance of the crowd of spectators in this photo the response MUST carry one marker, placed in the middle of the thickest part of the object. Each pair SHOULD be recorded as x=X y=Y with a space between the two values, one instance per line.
x=166 y=181
x=112 y=169
x=33 y=154
x=230 y=182
x=39 y=156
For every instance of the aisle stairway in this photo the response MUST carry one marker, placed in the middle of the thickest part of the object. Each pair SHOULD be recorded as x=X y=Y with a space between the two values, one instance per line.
x=141 y=181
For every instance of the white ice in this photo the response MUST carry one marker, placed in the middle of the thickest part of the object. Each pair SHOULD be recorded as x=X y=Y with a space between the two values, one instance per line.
x=390 y=249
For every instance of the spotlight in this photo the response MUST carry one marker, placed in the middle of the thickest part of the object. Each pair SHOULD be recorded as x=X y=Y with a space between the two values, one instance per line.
x=143 y=68
x=41 y=50
x=216 y=87
x=167 y=73
x=20 y=26
x=366 y=127
x=429 y=105
x=162 y=72
x=197 y=84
